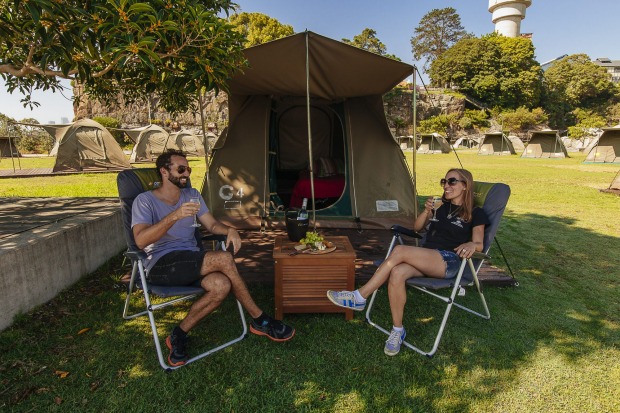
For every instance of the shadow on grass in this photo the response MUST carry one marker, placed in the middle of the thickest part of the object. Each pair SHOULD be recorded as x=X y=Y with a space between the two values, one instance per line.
x=567 y=304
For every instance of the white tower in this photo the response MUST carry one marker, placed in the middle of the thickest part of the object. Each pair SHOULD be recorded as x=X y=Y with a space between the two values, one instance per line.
x=507 y=15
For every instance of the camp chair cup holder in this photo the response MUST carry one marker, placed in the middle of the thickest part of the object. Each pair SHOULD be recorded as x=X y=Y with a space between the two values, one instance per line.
x=295 y=228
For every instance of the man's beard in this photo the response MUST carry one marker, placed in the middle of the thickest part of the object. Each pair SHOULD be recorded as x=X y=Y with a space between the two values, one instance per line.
x=176 y=180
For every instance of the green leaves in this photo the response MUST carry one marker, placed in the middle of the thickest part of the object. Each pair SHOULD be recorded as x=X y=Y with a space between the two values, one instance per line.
x=497 y=70
x=120 y=48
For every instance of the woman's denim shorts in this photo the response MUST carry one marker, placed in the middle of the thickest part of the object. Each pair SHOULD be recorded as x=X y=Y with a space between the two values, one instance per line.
x=453 y=262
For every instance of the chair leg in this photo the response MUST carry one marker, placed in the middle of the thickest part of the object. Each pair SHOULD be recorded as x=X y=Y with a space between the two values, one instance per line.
x=450 y=301
x=138 y=270
x=163 y=360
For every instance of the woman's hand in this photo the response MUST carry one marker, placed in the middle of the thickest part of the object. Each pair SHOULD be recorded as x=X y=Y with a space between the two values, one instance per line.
x=466 y=250
x=428 y=205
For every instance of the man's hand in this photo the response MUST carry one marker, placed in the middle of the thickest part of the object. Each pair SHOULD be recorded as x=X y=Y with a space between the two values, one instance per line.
x=233 y=236
x=187 y=209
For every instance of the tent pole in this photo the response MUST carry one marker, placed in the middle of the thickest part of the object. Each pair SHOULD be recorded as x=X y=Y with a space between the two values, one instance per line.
x=310 y=166
x=414 y=103
x=205 y=143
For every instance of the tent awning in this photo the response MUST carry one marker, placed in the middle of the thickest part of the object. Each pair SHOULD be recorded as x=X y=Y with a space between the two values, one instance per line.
x=337 y=70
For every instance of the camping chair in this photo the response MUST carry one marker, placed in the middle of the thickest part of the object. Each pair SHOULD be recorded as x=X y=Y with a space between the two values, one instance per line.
x=130 y=184
x=492 y=197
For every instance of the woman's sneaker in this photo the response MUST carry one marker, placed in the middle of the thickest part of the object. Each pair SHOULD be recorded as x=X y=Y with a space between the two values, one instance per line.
x=345 y=299
x=392 y=345
x=272 y=328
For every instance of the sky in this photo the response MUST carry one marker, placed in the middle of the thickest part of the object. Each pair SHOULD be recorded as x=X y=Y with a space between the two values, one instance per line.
x=558 y=26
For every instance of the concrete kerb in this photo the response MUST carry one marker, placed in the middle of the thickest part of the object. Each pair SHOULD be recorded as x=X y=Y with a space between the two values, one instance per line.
x=37 y=264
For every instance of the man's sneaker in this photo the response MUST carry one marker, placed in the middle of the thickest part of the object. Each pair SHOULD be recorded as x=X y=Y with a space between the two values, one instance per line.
x=274 y=329
x=345 y=299
x=392 y=345
x=178 y=353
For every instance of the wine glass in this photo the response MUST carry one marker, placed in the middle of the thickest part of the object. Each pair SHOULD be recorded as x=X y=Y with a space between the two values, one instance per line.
x=195 y=200
x=437 y=202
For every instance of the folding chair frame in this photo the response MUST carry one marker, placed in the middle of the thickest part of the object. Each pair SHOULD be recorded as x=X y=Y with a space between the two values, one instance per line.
x=494 y=209
x=176 y=294
x=449 y=300
x=138 y=271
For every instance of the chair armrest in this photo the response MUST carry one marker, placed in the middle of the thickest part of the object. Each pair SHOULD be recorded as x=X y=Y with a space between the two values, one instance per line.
x=214 y=237
x=480 y=256
x=135 y=255
x=397 y=229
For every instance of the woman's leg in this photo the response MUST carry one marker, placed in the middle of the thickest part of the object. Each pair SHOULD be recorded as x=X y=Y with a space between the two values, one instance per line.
x=423 y=261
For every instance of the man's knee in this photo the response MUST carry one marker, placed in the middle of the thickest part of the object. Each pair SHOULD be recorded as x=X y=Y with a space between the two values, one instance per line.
x=217 y=283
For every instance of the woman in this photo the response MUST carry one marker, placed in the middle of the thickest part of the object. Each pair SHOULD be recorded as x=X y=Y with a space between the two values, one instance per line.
x=457 y=233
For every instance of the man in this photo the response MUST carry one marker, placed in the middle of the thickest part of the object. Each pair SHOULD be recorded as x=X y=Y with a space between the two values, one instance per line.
x=162 y=226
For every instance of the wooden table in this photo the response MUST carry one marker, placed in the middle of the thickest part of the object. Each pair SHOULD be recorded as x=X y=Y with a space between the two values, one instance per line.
x=302 y=280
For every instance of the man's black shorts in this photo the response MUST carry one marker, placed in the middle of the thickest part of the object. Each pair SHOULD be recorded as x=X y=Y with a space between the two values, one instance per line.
x=177 y=268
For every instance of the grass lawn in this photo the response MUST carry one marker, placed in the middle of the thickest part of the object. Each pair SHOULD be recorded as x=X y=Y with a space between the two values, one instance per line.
x=551 y=344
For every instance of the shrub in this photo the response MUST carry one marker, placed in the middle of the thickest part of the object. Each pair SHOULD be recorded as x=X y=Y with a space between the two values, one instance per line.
x=474 y=119
x=588 y=123
x=443 y=124
x=523 y=119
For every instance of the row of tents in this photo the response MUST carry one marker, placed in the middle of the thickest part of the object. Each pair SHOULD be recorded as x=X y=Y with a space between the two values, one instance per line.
x=542 y=144
x=87 y=145
x=307 y=98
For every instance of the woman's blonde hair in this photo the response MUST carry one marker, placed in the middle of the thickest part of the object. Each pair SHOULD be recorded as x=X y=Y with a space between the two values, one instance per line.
x=468 y=197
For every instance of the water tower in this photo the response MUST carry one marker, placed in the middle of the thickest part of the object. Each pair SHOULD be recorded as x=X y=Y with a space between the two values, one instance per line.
x=507 y=15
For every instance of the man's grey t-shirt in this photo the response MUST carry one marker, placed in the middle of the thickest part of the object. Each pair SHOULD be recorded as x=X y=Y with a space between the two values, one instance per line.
x=148 y=209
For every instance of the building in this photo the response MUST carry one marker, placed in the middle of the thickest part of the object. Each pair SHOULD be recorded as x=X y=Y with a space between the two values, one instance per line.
x=507 y=15
x=612 y=67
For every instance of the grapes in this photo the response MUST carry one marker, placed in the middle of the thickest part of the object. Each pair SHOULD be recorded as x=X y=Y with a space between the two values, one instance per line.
x=311 y=239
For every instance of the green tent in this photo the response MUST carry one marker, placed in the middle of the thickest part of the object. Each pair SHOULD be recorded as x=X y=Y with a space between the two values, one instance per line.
x=496 y=143
x=545 y=144
x=307 y=120
x=85 y=145
x=432 y=143
x=150 y=142
x=606 y=149
x=189 y=142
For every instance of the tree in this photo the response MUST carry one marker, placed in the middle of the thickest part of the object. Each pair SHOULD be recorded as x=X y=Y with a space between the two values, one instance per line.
x=437 y=31
x=119 y=48
x=258 y=28
x=368 y=40
x=576 y=82
x=497 y=70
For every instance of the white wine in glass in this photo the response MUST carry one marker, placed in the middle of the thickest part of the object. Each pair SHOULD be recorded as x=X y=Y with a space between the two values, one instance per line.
x=195 y=200
x=437 y=202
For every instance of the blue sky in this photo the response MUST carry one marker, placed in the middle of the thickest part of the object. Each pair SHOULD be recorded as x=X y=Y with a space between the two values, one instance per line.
x=558 y=26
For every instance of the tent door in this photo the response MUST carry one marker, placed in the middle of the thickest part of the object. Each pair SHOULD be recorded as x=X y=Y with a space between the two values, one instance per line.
x=289 y=158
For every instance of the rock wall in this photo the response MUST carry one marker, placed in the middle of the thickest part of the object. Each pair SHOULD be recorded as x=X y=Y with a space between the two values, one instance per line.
x=397 y=105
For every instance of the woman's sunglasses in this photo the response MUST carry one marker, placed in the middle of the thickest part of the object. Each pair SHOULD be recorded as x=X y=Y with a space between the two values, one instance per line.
x=182 y=168
x=450 y=181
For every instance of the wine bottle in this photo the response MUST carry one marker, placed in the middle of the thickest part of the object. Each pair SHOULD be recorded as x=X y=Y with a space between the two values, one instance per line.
x=303 y=213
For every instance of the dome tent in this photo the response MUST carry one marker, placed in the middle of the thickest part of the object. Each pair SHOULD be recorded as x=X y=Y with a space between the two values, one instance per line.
x=150 y=142
x=189 y=142
x=85 y=145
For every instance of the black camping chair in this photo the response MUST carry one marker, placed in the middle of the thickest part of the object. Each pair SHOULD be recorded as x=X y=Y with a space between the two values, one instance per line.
x=130 y=184
x=492 y=197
